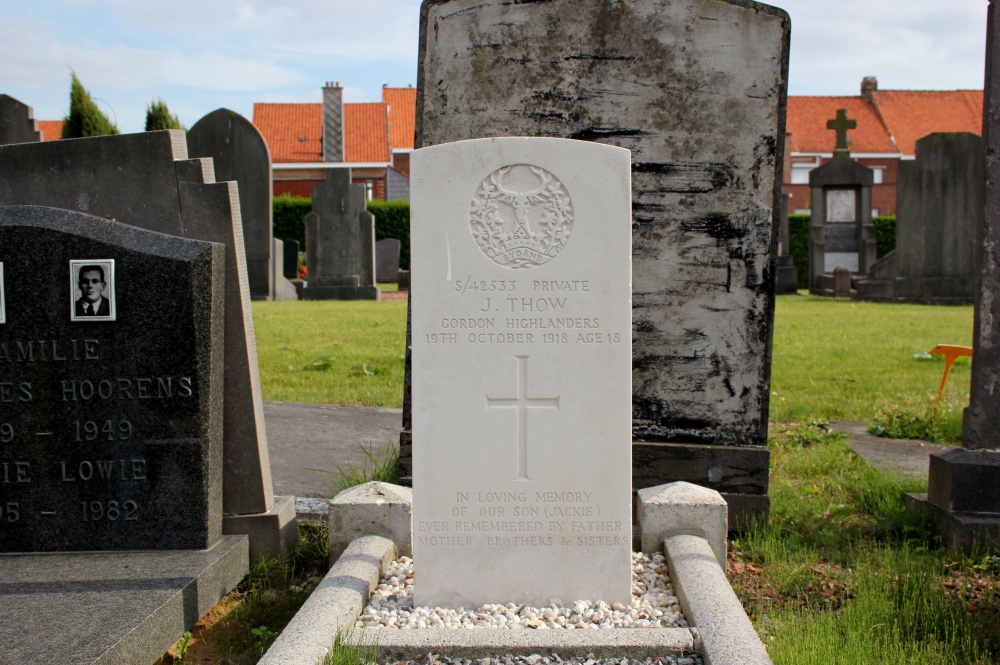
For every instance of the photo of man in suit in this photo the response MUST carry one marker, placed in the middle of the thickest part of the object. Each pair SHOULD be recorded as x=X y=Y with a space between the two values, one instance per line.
x=94 y=286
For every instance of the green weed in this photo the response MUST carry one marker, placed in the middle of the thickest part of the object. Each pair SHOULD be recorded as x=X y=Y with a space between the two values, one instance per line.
x=344 y=652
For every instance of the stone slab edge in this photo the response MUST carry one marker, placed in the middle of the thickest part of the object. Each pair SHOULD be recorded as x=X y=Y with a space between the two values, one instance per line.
x=334 y=605
x=222 y=568
x=711 y=605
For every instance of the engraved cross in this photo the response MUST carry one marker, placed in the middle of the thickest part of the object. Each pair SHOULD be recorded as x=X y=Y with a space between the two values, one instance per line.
x=522 y=403
x=841 y=124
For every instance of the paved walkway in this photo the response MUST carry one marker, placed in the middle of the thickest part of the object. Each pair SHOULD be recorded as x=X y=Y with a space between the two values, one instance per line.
x=302 y=438
x=892 y=455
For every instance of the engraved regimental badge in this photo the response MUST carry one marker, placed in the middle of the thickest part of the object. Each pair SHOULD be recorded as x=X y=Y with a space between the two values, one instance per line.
x=521 y=216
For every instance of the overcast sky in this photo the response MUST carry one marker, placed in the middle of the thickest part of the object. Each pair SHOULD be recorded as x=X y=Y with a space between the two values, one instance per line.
x=199 y=55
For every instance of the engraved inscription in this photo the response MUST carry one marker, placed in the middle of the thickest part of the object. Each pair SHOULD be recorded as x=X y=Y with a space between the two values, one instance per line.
x=521 y=403
x=521 y=218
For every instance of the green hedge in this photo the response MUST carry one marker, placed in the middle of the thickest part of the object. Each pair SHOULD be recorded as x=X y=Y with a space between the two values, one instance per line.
x=798 y=241
x=392 y=220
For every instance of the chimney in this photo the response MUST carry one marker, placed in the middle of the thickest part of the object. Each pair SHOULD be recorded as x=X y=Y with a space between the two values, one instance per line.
x=869 y=86
x=333 y=122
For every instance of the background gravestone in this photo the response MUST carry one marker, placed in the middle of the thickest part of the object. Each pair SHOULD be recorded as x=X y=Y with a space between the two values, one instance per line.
x=291 y=265
x=963 y=487
x=340 y=242
x=146 y=180
x=706 y=129
x=239 y=153
x=841 y=233
x=17 y=122
x=112 y=439
x=387 y=260
x=787 y=279
x=939 y=208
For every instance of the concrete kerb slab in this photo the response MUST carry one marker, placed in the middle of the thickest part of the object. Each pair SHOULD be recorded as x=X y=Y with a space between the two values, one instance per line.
x=710 y=604
x=334 y=605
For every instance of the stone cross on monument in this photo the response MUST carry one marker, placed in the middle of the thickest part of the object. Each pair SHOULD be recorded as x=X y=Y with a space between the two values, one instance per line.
x=522 y=403
x=841 y=124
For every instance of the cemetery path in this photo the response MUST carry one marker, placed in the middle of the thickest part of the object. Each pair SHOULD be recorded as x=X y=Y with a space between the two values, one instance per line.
x=900 y=455
x=301 y=437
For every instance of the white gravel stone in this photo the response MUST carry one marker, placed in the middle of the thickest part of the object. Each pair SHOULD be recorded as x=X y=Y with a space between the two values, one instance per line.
x=653 y=605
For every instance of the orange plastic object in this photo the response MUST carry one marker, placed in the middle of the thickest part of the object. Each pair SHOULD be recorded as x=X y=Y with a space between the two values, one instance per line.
x=950 y=353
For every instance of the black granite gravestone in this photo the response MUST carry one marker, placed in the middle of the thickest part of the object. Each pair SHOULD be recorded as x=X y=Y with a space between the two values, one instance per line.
x=111 y=425
x=17 y=122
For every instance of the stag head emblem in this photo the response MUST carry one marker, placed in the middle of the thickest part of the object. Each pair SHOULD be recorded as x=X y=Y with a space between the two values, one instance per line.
x=522 y=188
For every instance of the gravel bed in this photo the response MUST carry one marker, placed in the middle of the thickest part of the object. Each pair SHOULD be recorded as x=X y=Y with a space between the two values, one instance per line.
x=653 y=605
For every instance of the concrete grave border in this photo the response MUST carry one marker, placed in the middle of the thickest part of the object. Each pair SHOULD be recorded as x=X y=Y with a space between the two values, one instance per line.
x=721 y=632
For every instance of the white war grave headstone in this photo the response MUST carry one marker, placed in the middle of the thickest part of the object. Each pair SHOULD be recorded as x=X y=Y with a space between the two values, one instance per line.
x=522 y=372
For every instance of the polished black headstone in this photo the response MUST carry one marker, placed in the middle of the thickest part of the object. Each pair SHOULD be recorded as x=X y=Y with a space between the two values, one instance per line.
x=111 y=426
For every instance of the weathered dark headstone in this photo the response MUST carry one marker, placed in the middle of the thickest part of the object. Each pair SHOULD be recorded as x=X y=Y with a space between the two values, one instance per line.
x=291 y=258
x=387 y=260
x=340 y=242
x=146 y=180
x=939 y=208
x=111 y=430
x=17 y=122
x=841 y=282
x=787 y=279
x=963 y=489
x=705 y=127
x=239 y=153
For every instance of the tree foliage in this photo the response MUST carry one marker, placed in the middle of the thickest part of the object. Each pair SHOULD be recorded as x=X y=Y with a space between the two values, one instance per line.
x=158 y=116
x=84 y=118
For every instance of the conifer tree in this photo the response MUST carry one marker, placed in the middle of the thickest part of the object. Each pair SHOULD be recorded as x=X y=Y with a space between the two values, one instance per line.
x=84 y=118
x=158 y=117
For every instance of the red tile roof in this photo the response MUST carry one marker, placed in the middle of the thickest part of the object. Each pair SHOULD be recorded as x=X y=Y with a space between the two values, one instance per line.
x=807 y=118
x=913 y=114
x=402 y=115
x=366 y=132
x=891 y=123
x=51 y=129
x=293 y=131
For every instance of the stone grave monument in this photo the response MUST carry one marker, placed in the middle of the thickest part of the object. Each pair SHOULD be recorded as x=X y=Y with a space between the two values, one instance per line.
x=787 y=279
x=704 y=125
x=147 y=180
x=111 y=433
x=939 y=210
x=387 y=260
x=841 y=229
x=522 y=261
x=240 y=153
x=963 y=488
x=17 y=122
x=291 y=253
x=340 y=242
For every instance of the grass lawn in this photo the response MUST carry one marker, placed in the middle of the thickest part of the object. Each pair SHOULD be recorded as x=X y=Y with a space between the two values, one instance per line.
x=841 y=573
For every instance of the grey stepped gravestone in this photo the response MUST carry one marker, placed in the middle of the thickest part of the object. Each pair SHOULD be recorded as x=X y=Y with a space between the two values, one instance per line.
x=387 y=260
x=111 y=432
x=963 y=488
x=112 y=429
x=147 y=180
x=522 y=262
x=340 y=242
x=239 y=153
x=696 y=90
x=283 y=289
x=939 y=207
x=17 y=122
x=841 y=230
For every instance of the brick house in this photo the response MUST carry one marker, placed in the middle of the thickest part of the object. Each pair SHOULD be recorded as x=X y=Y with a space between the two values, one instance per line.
x=373 y=140
x=889 y=122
